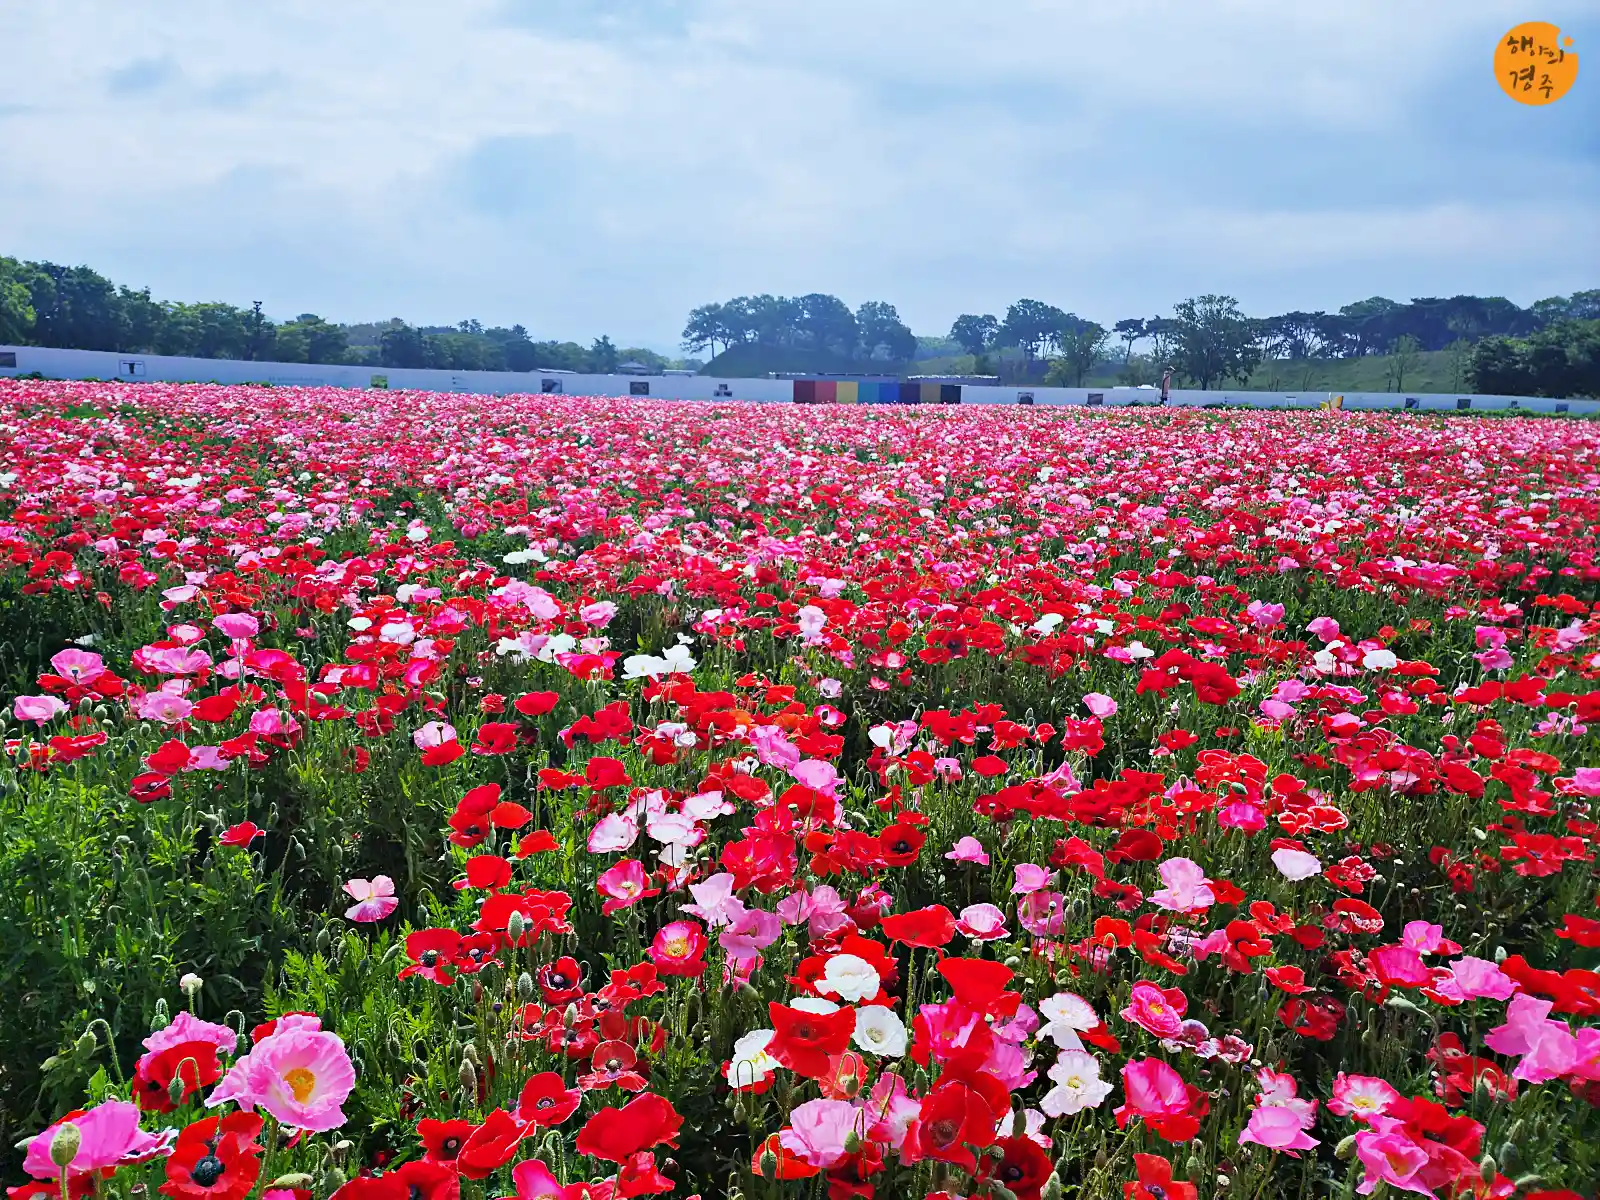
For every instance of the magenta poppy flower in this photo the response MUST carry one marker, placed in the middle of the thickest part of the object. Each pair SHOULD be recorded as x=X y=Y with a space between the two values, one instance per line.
x=374 y=899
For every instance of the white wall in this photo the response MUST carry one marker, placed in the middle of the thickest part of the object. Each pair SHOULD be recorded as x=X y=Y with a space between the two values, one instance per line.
x=96 y=364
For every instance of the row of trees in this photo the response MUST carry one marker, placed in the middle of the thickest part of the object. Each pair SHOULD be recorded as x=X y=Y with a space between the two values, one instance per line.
x=44 y=304
x=812 y=322
x=1562 y=359
x=1208 y=340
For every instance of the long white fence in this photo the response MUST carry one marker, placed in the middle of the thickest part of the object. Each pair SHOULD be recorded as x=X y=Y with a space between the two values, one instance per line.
x=96 y=364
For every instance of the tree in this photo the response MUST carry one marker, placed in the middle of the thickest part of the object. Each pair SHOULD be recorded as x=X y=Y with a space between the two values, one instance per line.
x=1129 y=330
x=883 y=334
x=707 y=325
x=1404 y=353
x=603 y=358
x=1161 y=331
x=825 y=323
x=975 y=334
x=1082 y=343
x=16 y=303
x=1459 y=356
x=403 y=345
x=1032 y=325
x=1215 y=341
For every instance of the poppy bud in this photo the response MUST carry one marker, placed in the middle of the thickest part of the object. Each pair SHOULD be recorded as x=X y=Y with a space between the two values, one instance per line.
x=1499 y=955
x=470 y=1053
x=1014 y=962
x=569 y=1018
x=852 y=1142
x=86 y=1043
x=322 y=941
x=1001 y=1192
x=1509 y=1157
x=332 y=1180
x=176 y=1087
x=1488 y=1170
x=298 y=1181
x=1528 y=1181
x=341 y=1149
x=767 y=1164
x=468 y=1075
x=1052 y=1188
x=525 y=987
x=161 y=1019
x=516 y=926
x=191 y=984
x=1346 y=1149
x=64 y=1145
x=1194 y=1167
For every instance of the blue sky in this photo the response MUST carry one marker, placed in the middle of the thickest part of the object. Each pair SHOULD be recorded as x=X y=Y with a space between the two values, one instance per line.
x=589 y=166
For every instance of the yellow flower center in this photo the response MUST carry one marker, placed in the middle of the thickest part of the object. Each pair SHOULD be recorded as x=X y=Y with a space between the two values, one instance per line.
x=301 y=1082
x=677 y=947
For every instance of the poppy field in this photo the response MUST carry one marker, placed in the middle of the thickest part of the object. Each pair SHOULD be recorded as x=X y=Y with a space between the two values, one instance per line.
x=416 y=796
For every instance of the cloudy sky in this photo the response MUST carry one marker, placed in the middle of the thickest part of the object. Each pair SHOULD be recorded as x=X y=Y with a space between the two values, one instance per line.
x=589 y=166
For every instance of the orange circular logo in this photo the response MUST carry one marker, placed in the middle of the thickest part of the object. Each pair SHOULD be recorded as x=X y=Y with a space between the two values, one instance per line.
x=1535 y=64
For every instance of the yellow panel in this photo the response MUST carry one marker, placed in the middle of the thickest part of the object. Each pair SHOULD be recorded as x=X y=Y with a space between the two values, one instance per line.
x=847 y=393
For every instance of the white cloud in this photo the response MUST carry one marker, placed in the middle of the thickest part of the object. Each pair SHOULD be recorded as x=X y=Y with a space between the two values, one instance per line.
x=585 y=166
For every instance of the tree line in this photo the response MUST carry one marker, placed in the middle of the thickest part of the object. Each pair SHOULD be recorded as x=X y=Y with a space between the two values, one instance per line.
x=1547 y=348
x=815 y=321
x=45 y=304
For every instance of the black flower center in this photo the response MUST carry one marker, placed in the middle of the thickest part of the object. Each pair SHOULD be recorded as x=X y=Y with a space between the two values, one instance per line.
x=451 y=1146
x=430 y=958
x=207 y=1171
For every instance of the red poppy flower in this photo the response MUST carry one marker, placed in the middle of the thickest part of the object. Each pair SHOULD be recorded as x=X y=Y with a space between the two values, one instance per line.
x=929 y=927
x=426 y=1180
x=215 y=1159
x=241 y=834
x=560 y=981
x=536 y=704
x=955 y=1120
x=442 y=1140
x=196 y=1063
x=807 y=1042
x=485 y=871
x=786 y=1164
x=615 y=1134
x=546 y=1100
x=432 y=953
x=508 y=815
x=540 y=841
x=495 y=737
x=1024 y=1169
x=980 y=985
x=1155 y=1181
x=612 y=1063
x=899 y=844
x=492 y=1145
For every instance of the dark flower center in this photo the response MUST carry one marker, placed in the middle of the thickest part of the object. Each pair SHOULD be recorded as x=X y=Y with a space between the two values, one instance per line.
x=414 y=1192
x=558 y=980
x=429 y=958
x=943 y=1132
x=207 y=1171
x=451 y=1146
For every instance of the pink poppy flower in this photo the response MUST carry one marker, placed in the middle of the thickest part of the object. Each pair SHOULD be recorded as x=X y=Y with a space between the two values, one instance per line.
x=1480 y=979
x=77 y=666
x=1029 y=878
x=1187 y=890
x=374 y=899
x=108 y=1137
x=37 y=709
x=613 y=833
x=982 y=922
x=752 y=931
x=1100 y=705
x=970 y=850
x=818 y=1129
x=1295 y=865
x=624 y=884
x=1156 y=1010
x=1278 y=1128
x=299 y=1073
x=533 y=1181
x=1263 y=615
x=714 y=901
x=236 y=625
x=1360 y=1096
x=1390 y=1157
